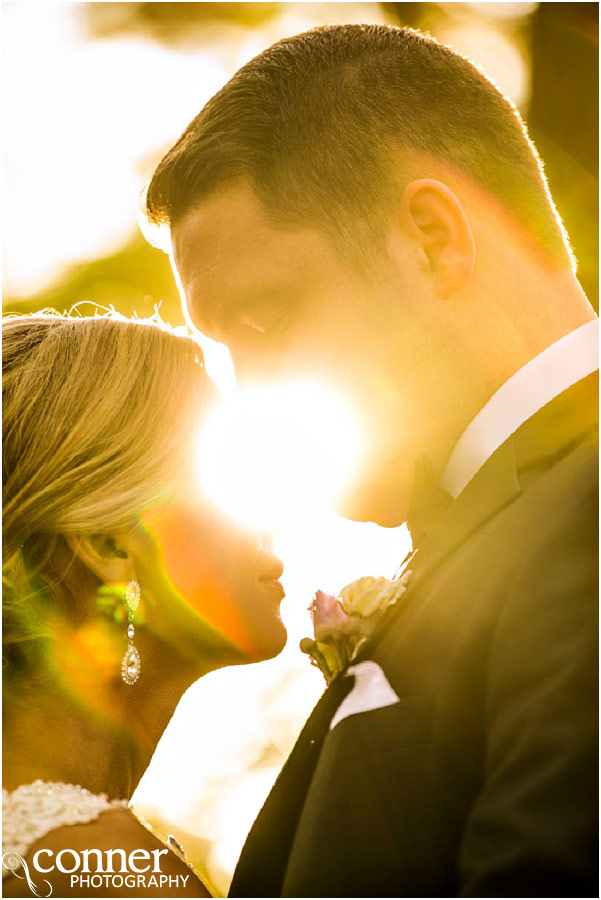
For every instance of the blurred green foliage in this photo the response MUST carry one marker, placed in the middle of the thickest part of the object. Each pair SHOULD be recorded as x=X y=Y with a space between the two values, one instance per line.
x=136 y=279
x=173 y=22
x=563 y=118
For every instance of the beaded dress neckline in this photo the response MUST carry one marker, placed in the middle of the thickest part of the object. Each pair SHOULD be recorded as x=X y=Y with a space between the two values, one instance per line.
x=32 y=810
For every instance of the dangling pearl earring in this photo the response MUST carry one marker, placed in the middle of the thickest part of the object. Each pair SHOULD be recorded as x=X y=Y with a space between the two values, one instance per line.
x=130 y=666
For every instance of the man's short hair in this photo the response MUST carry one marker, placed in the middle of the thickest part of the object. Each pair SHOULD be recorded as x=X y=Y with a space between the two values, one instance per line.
x=318 y=123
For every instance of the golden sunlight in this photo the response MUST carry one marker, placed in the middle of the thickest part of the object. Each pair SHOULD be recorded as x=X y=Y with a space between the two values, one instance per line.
x=271 y=452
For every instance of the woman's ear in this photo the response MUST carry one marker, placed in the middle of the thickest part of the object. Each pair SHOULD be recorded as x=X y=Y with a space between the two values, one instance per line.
x=434 y=217
x=106 y=555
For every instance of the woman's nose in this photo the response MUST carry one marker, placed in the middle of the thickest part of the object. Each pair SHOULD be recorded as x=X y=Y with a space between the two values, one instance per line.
x=265 y=543
x=268 y=562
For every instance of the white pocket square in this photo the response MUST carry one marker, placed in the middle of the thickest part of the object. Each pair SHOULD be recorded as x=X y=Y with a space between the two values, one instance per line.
x=371 y=690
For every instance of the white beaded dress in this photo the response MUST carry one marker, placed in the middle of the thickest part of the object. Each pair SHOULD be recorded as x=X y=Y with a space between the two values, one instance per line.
x=32 y=810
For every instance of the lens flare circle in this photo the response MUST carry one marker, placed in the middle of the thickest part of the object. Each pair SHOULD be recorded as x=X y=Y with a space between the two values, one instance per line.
x=271 y=453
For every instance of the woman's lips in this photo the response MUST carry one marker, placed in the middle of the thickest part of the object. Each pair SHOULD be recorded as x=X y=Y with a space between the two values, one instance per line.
x=275 y=586
x=271 y=578
x=273 y=575
x=272 y=570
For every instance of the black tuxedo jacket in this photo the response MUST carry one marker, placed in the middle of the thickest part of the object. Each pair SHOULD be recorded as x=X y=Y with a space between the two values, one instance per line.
x=481 y=780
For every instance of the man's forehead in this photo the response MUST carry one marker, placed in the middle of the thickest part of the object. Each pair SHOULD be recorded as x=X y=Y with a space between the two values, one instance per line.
x=214 y=228
x=231 y=236
x=227 y=254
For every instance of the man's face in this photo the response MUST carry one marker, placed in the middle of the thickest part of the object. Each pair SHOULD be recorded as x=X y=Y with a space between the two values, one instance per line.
x=286 y=305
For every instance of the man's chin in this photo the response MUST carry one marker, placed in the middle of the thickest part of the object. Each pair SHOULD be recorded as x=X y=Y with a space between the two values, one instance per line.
x=380 y=504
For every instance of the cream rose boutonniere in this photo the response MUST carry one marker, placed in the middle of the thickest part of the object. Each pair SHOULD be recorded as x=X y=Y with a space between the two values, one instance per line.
x=372 y=595
x=343 y=624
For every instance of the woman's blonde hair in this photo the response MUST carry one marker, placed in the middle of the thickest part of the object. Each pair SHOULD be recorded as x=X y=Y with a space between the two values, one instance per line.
x=97 y=414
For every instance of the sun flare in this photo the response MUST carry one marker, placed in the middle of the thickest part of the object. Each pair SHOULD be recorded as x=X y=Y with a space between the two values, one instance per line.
x=270 y=453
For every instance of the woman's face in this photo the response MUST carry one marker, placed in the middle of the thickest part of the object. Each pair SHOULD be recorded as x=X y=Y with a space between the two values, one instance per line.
x=210 y=596
x=196 y=567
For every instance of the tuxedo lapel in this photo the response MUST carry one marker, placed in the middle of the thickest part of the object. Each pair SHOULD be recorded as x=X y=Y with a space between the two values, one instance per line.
x=262 y=866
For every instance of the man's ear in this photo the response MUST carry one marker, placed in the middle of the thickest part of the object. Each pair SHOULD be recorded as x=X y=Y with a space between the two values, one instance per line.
x=106 y=555
x=434 y=218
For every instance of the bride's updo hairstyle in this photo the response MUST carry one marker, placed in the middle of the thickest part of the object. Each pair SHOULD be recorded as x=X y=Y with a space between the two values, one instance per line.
x=96 y=413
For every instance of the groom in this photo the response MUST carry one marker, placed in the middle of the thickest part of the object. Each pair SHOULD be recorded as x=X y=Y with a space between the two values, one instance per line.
x=359 y=202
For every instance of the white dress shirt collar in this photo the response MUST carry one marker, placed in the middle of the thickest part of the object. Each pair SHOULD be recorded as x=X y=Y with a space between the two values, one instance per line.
x=543 y=378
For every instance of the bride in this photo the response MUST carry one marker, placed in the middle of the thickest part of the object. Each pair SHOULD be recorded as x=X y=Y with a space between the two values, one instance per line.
x=121 y=588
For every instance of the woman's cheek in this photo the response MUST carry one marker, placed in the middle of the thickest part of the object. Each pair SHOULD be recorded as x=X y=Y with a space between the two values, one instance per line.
x=194 y=575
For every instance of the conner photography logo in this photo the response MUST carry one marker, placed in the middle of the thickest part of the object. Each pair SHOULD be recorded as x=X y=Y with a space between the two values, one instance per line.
x=93 y=868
